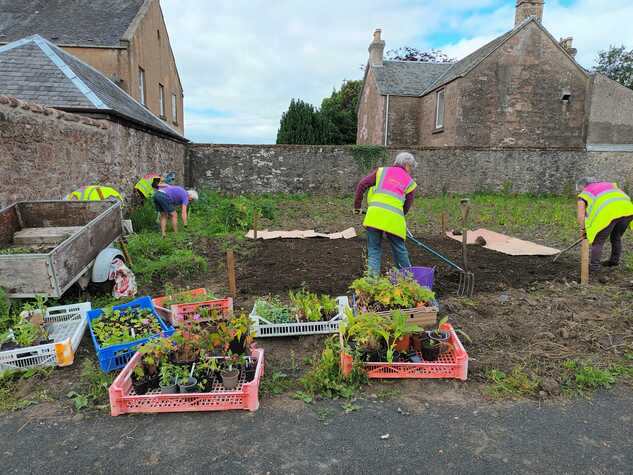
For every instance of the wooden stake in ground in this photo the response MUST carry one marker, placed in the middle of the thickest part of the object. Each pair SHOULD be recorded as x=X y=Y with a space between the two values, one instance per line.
x=255 y=220
x=230 y=270
x=584 y=262
x=126 y=253
x=444 y=221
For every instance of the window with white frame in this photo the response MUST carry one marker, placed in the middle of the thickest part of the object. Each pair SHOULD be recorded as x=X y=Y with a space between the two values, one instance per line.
x=161 y=98
x=174 y=108
x=439 y=109
x=141 y=86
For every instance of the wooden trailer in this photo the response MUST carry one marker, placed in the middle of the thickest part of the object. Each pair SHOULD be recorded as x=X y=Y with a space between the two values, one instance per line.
x=47 y=246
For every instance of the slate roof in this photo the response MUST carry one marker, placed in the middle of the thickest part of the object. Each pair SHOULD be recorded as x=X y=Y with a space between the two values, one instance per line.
x=407 y=78
x=68 y=22
x=35 y=70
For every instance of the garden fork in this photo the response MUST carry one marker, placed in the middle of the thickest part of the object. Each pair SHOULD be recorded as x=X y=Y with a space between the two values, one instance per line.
x=466 y=279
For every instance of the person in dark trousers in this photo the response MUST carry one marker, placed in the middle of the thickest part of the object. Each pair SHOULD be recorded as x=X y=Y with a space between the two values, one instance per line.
x=391 y=192
x=604 y=212
x=166 y=199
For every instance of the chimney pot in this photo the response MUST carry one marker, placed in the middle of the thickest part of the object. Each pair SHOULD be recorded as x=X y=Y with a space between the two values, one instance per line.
x=529 y=8
x=568 y=45
x=377 y=49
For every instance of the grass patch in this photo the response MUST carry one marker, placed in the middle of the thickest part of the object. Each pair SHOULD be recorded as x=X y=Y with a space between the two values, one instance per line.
x=584 y=378
x=144 y=217
x=168 y=257
x=93 y=391
x=516 y=384
x=277 y=383
x=10 y=383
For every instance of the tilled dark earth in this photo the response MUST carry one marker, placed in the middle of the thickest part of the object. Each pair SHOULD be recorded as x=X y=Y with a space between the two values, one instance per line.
x=331 y=265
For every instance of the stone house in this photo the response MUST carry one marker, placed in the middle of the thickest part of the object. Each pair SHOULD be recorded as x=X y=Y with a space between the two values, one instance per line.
x=35 y=70
x=126 y=40
x=522 y=90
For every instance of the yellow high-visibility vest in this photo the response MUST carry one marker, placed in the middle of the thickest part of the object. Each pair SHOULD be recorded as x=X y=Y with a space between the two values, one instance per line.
x=602 y=208
x=94 y=193
x=144 y=185
x=385 y=201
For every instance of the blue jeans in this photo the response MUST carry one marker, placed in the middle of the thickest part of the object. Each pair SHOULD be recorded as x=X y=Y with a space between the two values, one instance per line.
x=374 y=251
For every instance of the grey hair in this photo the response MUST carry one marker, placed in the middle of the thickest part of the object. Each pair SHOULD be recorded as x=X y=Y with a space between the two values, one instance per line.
x=193 y=195
x=583 y=182
x=405 y=158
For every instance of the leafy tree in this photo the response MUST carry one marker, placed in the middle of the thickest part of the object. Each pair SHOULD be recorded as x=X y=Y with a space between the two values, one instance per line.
x=407 y=53
x=339 y=113
x=301 y=124
x=617 y=63
x=333 y=124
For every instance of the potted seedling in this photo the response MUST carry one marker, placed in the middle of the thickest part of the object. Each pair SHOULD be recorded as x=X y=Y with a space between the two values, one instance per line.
x=401 y=330
x=237 y=333
x=250 y=365
x=417 y=339
x=430 y=350
x=168 y=378
x=186 y=382
x=139 y=380
x=307 y=305
x=230 y=372
x=438 y=334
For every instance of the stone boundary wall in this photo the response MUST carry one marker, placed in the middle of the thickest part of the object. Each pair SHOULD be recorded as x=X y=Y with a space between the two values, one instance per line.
x=332 y=169
x=46 y=153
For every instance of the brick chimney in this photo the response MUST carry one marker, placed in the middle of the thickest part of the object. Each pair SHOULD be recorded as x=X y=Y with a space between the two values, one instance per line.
x=376 y=49
x=568 y=45
x=528 y=8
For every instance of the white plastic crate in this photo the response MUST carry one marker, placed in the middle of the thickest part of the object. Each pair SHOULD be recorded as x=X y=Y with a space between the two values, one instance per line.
x=263 y=328
x=66 y=325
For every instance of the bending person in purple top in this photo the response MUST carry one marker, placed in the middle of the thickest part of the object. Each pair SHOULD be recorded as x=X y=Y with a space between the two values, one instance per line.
x=166 y=199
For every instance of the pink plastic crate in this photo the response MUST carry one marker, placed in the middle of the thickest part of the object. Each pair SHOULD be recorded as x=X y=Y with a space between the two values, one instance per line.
x=165 y=310
x=123 y=400
x=183 y=313
x=450 y=365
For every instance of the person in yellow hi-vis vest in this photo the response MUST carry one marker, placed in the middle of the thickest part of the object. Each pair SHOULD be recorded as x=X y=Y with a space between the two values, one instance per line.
x=391 y=192
x=144 y=186
x=94 y=193
x=603 y=211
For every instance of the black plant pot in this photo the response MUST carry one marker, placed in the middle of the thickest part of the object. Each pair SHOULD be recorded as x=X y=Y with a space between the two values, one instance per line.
x=430 y=353
x=140 y=386
x=188 y=386
x=249 y=373
x=152 y=382
x=238 y=347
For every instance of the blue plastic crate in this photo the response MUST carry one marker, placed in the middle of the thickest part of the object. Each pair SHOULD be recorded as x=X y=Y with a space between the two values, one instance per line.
x=116 y=356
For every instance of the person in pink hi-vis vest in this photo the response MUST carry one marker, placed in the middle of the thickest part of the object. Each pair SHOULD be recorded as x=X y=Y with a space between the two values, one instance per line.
x=391 y=192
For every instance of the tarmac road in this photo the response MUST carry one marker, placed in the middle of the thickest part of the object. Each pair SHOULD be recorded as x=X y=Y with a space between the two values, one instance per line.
x=286 y=436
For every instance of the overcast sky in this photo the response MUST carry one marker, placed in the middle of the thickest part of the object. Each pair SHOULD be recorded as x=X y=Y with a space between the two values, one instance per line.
x=241 y=61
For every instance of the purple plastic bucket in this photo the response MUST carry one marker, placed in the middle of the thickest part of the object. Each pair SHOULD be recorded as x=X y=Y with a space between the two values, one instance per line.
x=423 y=275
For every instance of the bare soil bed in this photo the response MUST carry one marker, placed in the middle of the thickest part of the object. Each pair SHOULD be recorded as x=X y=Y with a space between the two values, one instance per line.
x=330 y=266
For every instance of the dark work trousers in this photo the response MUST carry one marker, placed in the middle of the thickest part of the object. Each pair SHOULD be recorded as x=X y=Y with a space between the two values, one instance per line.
x=614 y=232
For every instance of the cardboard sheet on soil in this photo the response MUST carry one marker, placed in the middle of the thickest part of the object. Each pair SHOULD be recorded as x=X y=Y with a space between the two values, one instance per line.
x=506 y=244
x=265 y=234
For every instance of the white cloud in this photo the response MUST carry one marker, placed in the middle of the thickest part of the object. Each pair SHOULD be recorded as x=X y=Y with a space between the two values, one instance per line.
x=241 y=61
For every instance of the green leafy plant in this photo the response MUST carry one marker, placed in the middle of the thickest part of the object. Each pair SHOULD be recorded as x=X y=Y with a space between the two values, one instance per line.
x=325 y=378
x=307 y=304
x=273 y=310
x=380 y=294
x=368 y=157
x=115 y=327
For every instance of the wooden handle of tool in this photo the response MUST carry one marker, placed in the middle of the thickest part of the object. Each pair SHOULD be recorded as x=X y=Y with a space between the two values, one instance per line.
x=584 y=262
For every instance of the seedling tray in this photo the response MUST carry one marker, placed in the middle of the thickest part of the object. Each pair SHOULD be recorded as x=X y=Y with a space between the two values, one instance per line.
x=116 y=356
x=452 y=364
x=123 y=399
x=263 y=328
x=65 y=325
